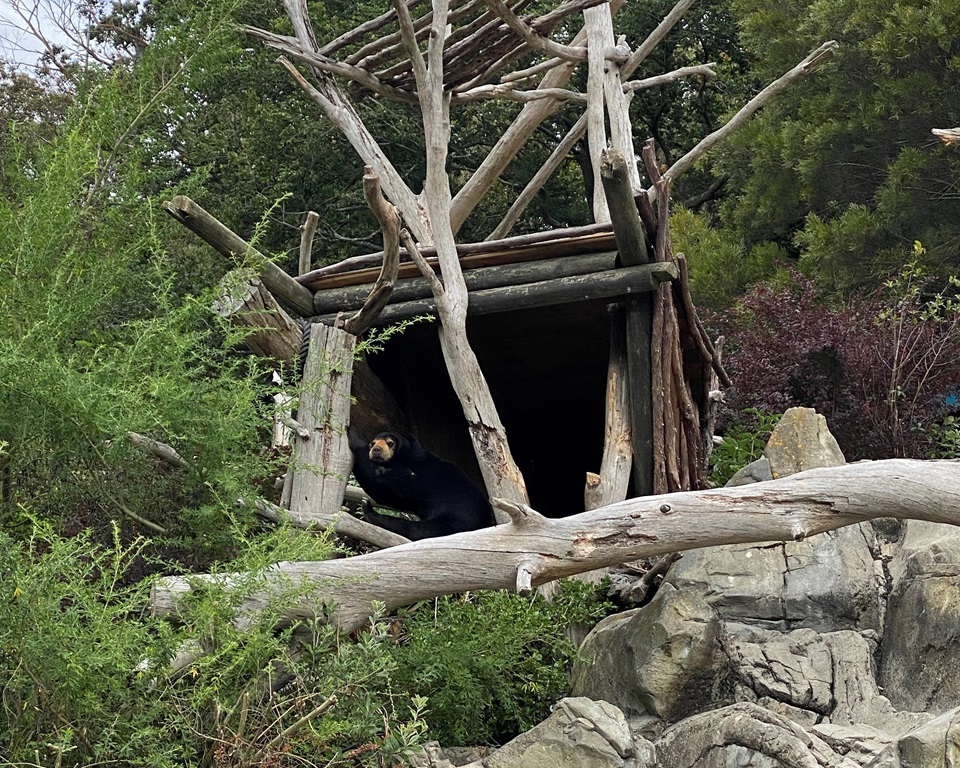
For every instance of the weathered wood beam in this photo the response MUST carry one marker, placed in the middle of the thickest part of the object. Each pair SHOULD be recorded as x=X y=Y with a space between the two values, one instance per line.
x=610 y=484
x=288 y=291
x=634 y=250
x=352 y=297
x=792 y=508
x=307 y=230
x=533 y=38
x=363 y=77
x=246 y=303
x=556 y=242
x=321 y=463
x=627 y=228
x=382 y=290
x=342 y=523
x=366 y=28
x=612 y=285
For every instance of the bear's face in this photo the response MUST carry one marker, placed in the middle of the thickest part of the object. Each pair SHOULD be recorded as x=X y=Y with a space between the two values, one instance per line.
x=383 y=447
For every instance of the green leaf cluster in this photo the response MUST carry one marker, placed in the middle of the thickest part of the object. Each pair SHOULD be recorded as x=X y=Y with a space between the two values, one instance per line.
x=491 y=664
x=742 y=444
x=89 y=678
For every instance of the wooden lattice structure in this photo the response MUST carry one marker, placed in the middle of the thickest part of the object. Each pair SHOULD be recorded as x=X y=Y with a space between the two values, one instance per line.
x=593 y=326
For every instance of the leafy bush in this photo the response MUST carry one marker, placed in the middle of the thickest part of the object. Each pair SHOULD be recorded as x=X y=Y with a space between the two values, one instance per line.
x=879 y=369
x=722 y=267
x=86 y=672
x=490 y=664
x=742 y=444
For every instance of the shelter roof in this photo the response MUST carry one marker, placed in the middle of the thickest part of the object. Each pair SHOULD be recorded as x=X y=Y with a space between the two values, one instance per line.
x=487 y=38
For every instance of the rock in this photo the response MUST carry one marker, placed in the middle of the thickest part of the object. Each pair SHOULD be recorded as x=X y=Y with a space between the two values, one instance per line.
x=801 y=441
x=865 y=745
x=825 y=582
x=580 y=733
x=934 y=745
x=665 y=659
x=743 y=735
x=816 y=678
x=755 y=472
x=920 y=664
x=433 y=756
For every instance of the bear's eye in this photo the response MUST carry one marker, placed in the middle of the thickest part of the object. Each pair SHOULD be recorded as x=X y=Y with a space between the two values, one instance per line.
x=391 y=443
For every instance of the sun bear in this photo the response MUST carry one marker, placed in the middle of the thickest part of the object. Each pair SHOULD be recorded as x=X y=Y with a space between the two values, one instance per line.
x=398 y=472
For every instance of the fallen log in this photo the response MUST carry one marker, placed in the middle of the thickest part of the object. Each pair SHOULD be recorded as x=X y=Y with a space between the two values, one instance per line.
x=533 y=550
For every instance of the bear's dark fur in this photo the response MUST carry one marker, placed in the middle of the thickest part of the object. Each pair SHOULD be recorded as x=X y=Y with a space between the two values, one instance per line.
x=398 y=472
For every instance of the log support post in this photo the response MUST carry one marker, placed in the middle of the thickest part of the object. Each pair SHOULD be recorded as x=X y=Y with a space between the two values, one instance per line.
x=322 y=461
x=634 y=250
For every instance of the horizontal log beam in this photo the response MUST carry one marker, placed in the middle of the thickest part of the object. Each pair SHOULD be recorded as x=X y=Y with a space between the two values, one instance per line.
x=592 y=238
x=352 y=297
x=542 y=550
x=613 y=285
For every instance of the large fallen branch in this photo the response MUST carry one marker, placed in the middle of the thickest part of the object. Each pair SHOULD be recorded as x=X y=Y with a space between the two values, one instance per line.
x=533 y=550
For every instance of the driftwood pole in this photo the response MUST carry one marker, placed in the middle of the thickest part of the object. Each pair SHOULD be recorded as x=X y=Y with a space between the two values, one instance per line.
x=533 y=550
x=638 y=316
x=322 y=460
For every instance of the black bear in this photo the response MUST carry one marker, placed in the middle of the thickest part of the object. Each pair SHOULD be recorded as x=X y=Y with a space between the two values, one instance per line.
x=398 y=472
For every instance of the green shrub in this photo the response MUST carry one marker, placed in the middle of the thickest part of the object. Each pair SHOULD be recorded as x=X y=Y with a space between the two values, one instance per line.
x=491 y=664
x=86 y=680
x=742 y=443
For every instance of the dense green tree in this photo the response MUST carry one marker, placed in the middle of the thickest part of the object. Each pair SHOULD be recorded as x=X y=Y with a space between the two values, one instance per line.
x=842 y=167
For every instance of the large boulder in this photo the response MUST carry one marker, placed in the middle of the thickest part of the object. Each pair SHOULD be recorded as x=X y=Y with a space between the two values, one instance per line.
x=665 y=659
x=920 y=663
x=580 y=733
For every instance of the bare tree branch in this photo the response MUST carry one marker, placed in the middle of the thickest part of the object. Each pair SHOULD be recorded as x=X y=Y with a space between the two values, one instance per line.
x=805 y=67
x=790 y=508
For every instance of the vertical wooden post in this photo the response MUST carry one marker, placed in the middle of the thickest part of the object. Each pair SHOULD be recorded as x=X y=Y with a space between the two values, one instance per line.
x=634 y=249
x=322 y=461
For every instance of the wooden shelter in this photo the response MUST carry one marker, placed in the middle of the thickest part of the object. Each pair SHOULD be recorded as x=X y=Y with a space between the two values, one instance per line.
x=542 y=312
x=558 y=357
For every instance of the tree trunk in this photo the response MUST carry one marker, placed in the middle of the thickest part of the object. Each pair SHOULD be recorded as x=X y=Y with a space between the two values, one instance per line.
x=533 y=550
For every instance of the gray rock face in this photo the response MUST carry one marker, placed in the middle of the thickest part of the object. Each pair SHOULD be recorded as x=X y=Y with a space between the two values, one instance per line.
x=765 y=656
x=665 y=659
x=825 y=582
x=934 y=745
x=580 y=733
x=920 y=666
x=755 y=472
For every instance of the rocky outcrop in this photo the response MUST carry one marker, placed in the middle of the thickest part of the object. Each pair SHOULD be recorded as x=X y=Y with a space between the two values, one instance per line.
x=920 y=662
x=769 y=656
x=665 y=659
x=580 y=733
